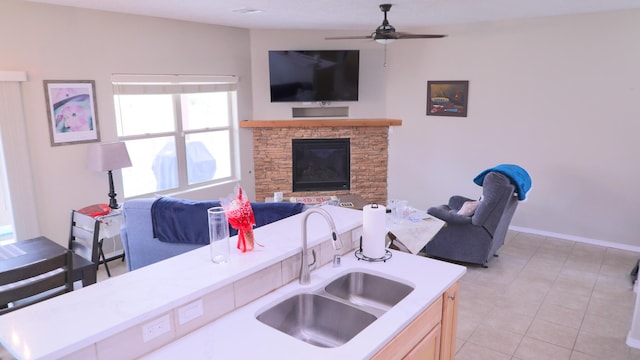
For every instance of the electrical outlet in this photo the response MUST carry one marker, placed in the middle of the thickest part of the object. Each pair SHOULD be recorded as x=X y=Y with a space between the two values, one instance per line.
x=190 y=312
x=155 y=328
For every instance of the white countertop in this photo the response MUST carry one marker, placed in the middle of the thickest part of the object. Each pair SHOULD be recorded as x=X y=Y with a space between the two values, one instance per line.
x=239 y=335
x=73 y=321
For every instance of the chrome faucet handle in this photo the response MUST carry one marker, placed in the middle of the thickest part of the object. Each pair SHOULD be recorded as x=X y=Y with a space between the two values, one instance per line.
x=336 y=260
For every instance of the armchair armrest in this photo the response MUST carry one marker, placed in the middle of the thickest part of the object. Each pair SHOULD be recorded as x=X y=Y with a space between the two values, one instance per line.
x=448 y=215
x=456 y=201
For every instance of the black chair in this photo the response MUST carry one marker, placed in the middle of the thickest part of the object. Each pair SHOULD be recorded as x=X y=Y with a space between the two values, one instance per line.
x=84 y=239
x=35 y=282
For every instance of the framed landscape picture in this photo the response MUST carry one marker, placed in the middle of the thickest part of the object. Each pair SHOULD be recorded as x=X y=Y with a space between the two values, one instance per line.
x=447 y=98
x=71 y=110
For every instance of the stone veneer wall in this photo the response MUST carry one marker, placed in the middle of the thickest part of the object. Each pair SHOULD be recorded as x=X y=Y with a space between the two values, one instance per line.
x=369 y=156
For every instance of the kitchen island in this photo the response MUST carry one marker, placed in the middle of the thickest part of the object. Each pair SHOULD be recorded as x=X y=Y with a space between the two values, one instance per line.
x=187 y=306
x=238 y=335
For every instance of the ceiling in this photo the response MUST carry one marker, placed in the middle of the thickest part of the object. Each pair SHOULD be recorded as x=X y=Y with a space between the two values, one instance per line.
x=346 y=14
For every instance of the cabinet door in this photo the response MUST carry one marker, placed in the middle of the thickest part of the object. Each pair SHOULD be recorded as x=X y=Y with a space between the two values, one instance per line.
x=449 y=322
x=428 y=348
x=413 y=334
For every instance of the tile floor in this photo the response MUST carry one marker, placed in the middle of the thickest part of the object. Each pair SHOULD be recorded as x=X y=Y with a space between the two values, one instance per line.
x=116 y=267
x=547 y=298
x=542 y=299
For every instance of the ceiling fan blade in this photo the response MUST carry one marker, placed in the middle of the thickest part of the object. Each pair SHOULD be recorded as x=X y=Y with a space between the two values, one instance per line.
x=386 y=32
x=418 y=36
x=390 y=36
x=367 y=37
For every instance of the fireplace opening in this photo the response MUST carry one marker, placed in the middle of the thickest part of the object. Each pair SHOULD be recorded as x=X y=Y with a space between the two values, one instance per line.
x=321 y=164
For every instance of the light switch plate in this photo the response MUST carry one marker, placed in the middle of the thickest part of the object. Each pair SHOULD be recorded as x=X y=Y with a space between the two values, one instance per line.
x=190 y=311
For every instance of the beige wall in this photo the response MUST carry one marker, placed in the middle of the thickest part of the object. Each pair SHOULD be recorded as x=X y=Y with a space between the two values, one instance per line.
x=58 y=43
x=556 y=95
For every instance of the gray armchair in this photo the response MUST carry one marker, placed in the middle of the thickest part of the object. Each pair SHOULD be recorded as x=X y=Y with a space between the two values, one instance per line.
x=475 y=238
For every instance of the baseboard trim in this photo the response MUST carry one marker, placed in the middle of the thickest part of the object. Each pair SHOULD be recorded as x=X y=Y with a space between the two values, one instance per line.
x=634 y=343
x=577 y=239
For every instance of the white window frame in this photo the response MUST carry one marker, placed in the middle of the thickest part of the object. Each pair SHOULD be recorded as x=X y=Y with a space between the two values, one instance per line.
x=132 y=84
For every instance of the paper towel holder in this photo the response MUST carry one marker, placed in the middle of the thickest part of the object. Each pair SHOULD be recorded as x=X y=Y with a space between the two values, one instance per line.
x=360 y=256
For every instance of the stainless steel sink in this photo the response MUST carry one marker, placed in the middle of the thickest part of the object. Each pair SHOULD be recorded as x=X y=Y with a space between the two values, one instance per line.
x=316 y=319
x=333 y=314
x=368 y=290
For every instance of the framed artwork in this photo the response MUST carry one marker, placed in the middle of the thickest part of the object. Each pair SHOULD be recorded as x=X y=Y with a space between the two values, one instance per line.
x=72 y=112
x=447 y=98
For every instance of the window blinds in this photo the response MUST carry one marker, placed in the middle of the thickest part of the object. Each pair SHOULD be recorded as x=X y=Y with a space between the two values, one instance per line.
x=171 y=84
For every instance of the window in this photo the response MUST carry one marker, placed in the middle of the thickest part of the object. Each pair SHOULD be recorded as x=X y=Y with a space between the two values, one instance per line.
x=179 y=131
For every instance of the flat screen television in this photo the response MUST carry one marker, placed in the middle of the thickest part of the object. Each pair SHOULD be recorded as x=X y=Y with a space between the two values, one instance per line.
x=314 y=75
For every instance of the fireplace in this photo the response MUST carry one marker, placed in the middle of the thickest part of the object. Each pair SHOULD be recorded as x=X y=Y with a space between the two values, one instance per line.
x=369 y=140
x=321 y=164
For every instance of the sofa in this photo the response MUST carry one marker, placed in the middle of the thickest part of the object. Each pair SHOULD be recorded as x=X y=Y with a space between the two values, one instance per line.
x=142 y=247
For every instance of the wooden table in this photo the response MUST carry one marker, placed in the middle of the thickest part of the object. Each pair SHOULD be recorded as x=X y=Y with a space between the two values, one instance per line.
x=24 y=252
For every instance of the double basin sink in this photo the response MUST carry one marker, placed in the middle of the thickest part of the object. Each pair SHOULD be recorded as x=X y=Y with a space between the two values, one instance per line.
x=333 y=314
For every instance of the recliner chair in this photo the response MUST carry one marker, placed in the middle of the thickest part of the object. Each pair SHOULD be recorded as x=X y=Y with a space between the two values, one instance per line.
x=475 y=238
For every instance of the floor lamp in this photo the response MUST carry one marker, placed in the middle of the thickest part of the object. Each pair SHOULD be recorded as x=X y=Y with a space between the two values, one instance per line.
x=108 y=157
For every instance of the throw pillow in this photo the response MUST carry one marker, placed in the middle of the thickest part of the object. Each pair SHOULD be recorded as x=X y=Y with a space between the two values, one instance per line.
x=468 y=208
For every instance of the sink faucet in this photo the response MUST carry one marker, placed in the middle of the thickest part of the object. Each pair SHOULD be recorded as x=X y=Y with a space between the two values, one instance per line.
x=305 y=267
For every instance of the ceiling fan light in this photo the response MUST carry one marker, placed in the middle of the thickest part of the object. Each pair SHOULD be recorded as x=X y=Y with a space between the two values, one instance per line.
x=385 y=41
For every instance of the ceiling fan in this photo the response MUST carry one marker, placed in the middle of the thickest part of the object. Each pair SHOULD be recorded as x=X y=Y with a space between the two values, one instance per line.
x=386 y=33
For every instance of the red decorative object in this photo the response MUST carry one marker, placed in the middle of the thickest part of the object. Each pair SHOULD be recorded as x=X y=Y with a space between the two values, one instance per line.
x=95 y=210
x=240 y=215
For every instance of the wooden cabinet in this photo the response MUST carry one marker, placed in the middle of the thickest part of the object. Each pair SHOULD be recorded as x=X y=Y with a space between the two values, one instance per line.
x=431 y=335
x=413 y=334
x=449 y=322
x=428 y=347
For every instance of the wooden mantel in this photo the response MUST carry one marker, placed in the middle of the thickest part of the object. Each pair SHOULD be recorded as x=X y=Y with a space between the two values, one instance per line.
x=320 y=123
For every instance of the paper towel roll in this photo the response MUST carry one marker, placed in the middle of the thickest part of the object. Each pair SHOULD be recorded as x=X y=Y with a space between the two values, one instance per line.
x=373 y=230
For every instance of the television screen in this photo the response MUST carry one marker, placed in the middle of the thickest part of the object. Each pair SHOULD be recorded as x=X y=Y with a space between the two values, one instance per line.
x=314 y=75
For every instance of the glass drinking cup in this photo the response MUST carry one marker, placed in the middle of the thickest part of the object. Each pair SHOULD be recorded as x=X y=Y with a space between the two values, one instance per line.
x=218 y=235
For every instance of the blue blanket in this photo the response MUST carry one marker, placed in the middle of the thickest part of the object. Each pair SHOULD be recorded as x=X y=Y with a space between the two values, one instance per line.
x=518 y=176
x=185 y=221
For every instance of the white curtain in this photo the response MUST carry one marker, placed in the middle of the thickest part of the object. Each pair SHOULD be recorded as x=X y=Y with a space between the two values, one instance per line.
x=17 y=167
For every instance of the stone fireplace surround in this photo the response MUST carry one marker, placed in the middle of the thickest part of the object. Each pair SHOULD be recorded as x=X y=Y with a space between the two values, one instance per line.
x=369 y=154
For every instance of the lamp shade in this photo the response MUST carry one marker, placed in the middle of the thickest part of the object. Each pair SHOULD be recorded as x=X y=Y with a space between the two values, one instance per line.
x=108 y=156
